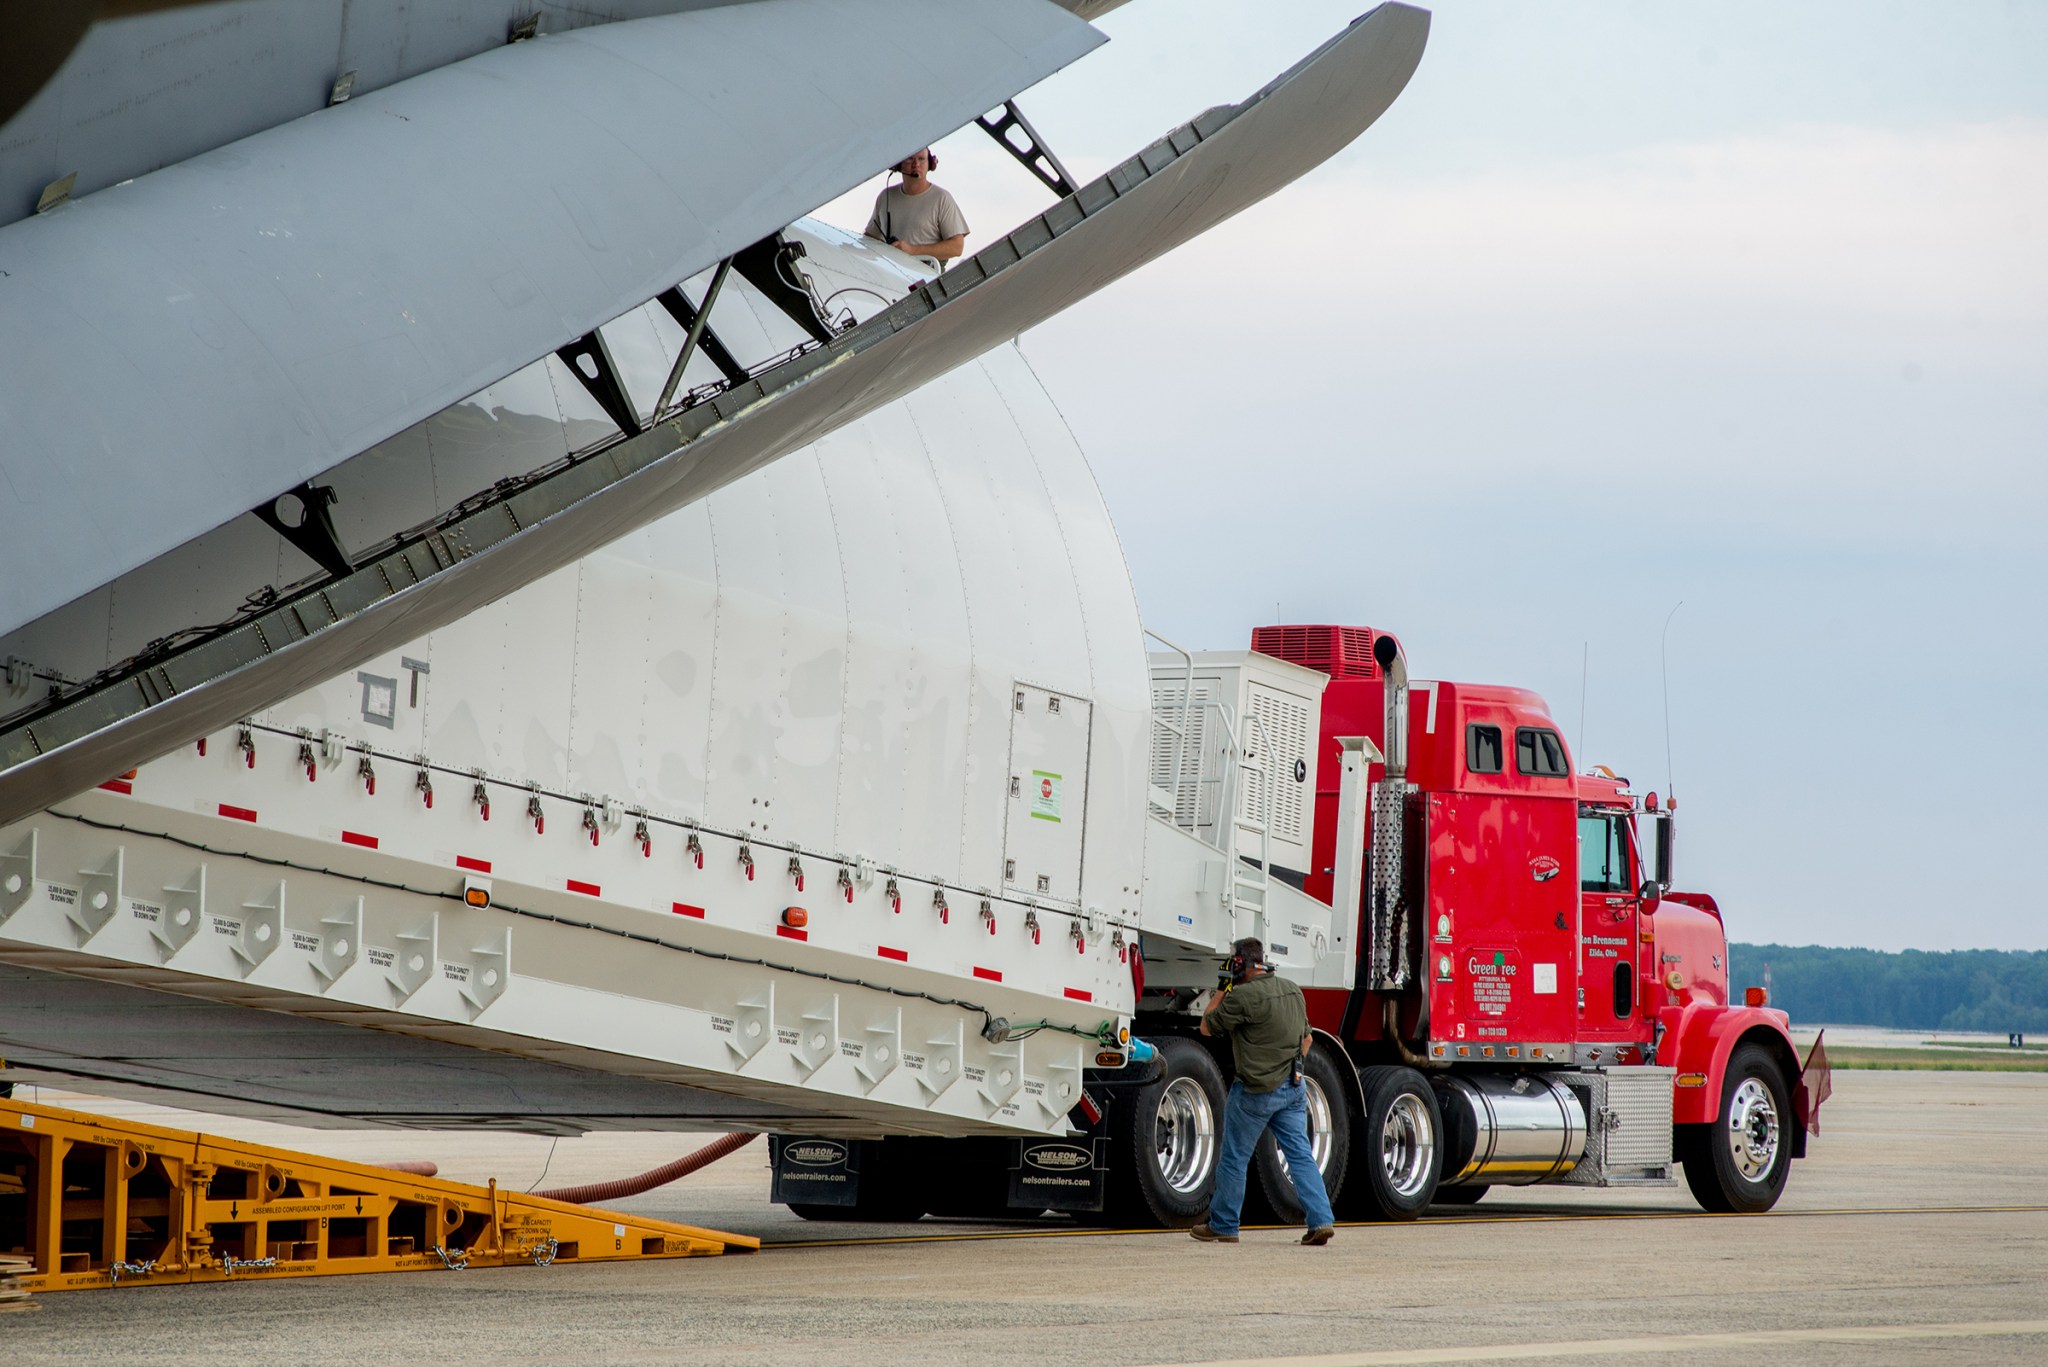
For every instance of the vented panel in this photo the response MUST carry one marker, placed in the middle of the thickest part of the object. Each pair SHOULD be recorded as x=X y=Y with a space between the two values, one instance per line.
x=1340 y=652
x=1186 y=787
x=1284 y=722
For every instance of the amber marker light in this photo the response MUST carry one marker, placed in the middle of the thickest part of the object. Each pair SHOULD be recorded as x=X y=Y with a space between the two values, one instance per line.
x=1692 y=1079
x=796 y=918
x=476 y=892
x=1755 y=996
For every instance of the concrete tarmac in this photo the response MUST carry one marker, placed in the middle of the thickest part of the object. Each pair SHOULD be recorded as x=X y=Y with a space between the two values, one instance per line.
x=1916 y=1232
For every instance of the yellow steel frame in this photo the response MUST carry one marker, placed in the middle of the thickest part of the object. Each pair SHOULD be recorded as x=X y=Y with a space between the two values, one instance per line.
x=99 y=1203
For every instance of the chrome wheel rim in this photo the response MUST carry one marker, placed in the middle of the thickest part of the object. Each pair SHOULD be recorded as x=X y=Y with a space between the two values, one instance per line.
x=1319 y=1138
x=1753 y=1129
x=1184 y=1136
x=1408 y=1145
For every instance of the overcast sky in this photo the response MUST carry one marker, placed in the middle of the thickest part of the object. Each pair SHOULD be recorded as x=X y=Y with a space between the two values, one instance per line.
x=1743 y=306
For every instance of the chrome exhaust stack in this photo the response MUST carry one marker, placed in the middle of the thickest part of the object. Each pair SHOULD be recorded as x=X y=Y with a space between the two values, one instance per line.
x=1389 y=803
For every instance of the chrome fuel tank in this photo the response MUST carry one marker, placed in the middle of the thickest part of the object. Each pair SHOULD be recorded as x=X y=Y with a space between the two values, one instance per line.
x=1509 y=1130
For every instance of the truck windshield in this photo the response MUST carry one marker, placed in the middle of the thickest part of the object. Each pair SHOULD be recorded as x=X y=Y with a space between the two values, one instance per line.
x=1603 y=853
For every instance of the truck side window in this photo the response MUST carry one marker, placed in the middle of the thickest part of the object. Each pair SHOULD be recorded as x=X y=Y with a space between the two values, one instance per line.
x=1539 y=753
x=1482 y=749
x=1603 y=854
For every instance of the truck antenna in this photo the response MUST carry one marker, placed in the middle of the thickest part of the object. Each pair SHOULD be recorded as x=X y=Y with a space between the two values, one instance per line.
x=1585 y=653
x=1664 y=663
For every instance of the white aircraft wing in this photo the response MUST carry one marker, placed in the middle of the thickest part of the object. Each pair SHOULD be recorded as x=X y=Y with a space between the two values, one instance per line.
x=188 y=344
x=1198 y=175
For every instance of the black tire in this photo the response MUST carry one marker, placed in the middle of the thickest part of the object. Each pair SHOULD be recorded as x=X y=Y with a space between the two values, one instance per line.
x=1738 y=1164
x=1396 y=1148
x=1459 y=1196
x=1163 y=1142
x=1269 y=1197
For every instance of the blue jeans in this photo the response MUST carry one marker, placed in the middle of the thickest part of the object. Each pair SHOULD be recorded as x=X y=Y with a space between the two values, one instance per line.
x=1246 y=1117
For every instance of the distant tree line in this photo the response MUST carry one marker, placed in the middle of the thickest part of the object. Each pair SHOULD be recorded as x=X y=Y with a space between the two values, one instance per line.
x=1966 y=989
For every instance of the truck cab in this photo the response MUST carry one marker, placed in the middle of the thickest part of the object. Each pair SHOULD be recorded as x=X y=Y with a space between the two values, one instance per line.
x=1525 y=998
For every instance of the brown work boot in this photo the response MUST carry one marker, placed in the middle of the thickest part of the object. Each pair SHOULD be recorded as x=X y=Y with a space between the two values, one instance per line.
x=1319 y=1236
x=1210 y=1236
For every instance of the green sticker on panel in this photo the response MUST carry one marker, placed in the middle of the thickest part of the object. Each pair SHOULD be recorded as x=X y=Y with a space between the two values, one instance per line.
x=1045 y=795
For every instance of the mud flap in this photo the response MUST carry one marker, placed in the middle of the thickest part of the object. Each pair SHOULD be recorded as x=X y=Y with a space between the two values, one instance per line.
x=814 y=1172
x=1059 y=1174
x=1816 y=1084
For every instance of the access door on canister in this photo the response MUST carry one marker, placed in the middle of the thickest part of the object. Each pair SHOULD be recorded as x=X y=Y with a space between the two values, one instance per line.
x=1043 y=831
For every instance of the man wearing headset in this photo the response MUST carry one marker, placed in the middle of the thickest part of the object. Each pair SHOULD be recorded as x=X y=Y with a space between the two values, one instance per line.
x=1266 y=1018
x=917 y=216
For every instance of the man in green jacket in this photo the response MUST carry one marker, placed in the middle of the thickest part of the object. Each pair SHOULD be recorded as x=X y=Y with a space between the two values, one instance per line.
x=1266 y=1019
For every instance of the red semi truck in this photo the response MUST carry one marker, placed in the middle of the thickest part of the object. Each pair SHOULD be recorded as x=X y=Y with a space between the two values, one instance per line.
x=1506 y=989
x=1536 y=946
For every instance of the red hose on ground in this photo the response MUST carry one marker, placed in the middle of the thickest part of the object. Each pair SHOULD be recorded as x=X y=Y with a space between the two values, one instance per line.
x=658 y=1177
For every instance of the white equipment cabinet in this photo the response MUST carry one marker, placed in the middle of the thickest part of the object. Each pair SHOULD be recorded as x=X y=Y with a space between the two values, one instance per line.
x=1233 y=783
x=1242 y=751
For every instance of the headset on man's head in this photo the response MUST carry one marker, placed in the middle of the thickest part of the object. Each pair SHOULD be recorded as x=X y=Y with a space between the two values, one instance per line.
x=931 y=161
x=1245 y=955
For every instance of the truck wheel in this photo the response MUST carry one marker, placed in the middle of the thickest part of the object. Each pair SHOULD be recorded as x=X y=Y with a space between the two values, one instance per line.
x=1269 y=1195
x=1738 y=1164
x=1163 y=1141
x=1395 y=1148
x=1459 y=1196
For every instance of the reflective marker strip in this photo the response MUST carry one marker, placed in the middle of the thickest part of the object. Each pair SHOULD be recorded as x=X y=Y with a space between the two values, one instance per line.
x=238 y=813
x=685 y=909
x=368 y=842
x=901 y=956
x=1078 y=995
x=587 y=889
x=792 y=933
x=463 y=861
x=988 y=973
